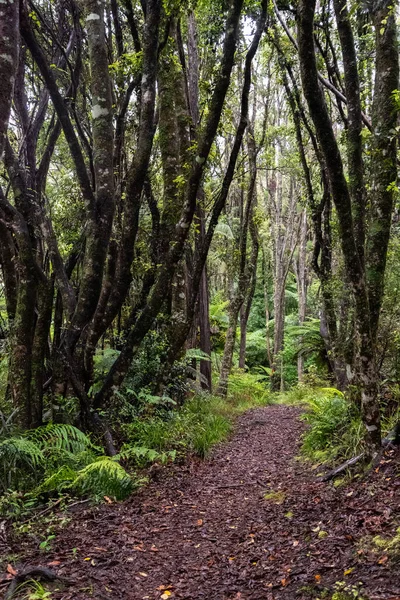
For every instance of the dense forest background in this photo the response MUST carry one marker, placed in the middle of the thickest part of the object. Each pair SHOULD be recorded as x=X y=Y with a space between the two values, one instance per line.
x=197 y=200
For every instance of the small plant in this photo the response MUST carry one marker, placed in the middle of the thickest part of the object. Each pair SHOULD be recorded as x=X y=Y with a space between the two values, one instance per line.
x=56 y=458
x=45 y=545
x=344 y=591
x=34 y=590
x=248 y=390
x=212 y=430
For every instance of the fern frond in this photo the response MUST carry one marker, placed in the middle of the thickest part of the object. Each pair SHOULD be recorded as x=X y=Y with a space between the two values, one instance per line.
x=58 y=481
x=224 y=230
x=104 y=477
x=196 y=353
x=16 y=450
x=61 y=436
x=144 y=455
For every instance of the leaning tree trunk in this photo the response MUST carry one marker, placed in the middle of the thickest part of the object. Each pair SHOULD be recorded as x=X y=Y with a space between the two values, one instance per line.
x=247 y=267
x=252 y=265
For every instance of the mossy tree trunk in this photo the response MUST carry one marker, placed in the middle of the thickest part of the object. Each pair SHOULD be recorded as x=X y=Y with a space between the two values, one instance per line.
x=366 y=284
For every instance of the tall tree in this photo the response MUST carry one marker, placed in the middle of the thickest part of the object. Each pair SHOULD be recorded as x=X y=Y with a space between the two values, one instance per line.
x=366 y=282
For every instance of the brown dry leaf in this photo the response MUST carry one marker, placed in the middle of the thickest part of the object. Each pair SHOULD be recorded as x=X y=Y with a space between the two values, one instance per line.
x=317 y=578
x=199 y=522
x=383 y=559
x=154 y=549
x=284 y=582
x=54 y=563
x=11 y=570
x=108 y=500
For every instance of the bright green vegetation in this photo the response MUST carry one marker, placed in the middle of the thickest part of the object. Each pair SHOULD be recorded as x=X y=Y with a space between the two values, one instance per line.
x=33 y=590
x=59 y=459
x=335 y=430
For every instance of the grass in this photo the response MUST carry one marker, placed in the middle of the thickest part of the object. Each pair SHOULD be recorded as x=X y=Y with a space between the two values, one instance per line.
x=202 y=422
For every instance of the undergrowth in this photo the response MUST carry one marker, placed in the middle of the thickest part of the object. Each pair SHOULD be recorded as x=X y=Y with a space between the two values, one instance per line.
x=202 y=422
x=59 y=459
x=335 y=430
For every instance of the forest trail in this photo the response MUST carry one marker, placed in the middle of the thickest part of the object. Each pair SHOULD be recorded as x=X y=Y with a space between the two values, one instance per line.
x=250 y=523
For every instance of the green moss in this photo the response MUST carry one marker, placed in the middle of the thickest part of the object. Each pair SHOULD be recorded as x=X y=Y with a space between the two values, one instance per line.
x=390 y=546
x=277 y=497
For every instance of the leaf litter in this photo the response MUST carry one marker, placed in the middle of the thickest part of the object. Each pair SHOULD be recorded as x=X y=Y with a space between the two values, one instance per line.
x=205 y=530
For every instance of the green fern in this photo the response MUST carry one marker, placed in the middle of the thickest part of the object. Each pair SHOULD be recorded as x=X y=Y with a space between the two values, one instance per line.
x=197 y=354
x=61 y=436
x=58 y=481
x=20 y=450
x=18 y=457
x=104 y=477
x=143 y=456
x=58 y=457
x=224 y=230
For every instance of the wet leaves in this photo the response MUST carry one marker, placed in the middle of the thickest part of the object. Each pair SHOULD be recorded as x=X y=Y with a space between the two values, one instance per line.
x=215 y=540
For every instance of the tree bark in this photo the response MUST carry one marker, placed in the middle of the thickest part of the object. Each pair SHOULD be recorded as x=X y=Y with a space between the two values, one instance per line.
x=384 y=153
x=342 y=199
x=120 y=367
x=9 y=49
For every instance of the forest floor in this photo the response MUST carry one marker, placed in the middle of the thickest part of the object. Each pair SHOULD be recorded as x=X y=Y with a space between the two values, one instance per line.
x=250 y=523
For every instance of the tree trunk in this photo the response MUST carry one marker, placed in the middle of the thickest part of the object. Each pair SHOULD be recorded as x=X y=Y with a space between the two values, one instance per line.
x=342 y=199
x=300 y=267
x=9 y=48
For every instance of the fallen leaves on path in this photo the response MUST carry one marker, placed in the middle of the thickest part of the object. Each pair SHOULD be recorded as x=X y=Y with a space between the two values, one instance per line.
x=196 y=534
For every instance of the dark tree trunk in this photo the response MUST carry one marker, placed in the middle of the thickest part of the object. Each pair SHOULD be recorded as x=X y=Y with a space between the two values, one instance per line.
x=9 y=48
x=246 y=306
x=365 y=294
x=175 y=253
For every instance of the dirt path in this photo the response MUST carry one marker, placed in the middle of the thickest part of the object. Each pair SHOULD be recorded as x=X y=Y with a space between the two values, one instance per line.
x=251 y=523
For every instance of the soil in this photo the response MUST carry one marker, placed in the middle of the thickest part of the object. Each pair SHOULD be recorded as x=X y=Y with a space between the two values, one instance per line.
x=250 y=523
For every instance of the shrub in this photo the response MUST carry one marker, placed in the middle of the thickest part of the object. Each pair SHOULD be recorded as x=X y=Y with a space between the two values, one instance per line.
x=334 y=426
x=201 y=423
x=209 y=432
